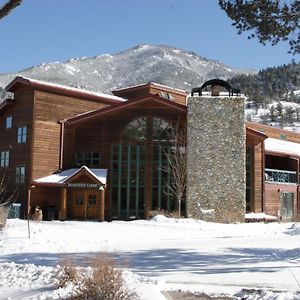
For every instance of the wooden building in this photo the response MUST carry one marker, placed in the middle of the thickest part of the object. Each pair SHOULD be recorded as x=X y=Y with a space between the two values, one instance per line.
x=84 y=155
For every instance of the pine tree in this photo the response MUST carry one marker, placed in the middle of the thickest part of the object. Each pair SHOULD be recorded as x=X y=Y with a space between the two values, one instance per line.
x=271 y=21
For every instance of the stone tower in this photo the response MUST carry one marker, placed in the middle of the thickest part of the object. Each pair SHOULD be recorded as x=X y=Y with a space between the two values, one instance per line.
x=216 y=155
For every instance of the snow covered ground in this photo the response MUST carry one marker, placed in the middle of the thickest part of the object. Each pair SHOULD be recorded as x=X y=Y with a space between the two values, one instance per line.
x=160 y=254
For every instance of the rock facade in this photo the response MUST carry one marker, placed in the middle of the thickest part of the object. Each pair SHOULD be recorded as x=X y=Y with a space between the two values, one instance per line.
x=216 y=179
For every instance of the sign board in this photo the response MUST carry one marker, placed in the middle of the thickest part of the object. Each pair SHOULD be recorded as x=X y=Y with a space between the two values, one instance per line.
x=85 y=185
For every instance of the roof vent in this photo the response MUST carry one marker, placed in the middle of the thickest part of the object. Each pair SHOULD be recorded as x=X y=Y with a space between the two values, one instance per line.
x=216 y=86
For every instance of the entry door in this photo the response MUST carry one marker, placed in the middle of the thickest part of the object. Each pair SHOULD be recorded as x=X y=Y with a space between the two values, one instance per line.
x=287 y=205
x=85 y=204
x=79 y=204
x=92 y=205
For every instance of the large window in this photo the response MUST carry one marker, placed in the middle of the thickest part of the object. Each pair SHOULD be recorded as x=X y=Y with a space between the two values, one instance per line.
x=22 y=135
x=8 y=122
x=136 y=131
x=89 y=159
x=4 y=158
x=20 y=175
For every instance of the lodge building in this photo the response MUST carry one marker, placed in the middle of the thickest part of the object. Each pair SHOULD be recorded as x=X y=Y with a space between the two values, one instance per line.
x=89 y=155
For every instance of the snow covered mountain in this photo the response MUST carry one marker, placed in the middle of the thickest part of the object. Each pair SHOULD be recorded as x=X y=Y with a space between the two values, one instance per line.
x=140 y=64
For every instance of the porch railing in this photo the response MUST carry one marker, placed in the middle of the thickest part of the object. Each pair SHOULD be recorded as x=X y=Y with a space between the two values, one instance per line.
x=280 y=176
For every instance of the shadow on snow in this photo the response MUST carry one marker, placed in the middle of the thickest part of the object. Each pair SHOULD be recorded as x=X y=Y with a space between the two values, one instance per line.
x=156 y=262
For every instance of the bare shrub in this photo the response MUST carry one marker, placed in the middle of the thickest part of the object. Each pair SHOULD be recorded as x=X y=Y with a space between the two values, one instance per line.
x=68 y=274
x=104 y=282
x=5 y=201
x=3 y=216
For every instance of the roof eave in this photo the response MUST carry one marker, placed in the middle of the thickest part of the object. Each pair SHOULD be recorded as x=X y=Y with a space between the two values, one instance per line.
x=13 y=85
x=119 y=106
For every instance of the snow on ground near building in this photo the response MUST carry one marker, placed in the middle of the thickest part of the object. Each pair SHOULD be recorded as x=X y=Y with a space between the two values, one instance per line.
x=160 y=254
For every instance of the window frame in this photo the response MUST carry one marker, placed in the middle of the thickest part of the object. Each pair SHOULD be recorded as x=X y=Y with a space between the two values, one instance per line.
x=9 y=125
x=22 y=135
x=20 y=176
x=4 y=158
x=86 y=156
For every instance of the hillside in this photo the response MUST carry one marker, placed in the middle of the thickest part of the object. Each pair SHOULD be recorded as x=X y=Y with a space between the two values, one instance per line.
x=181 y=69
x=143 y=63
x=270 y=84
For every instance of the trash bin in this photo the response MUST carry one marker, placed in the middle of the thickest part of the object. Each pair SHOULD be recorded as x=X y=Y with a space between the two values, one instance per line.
x=14 y=211
x=49 y=212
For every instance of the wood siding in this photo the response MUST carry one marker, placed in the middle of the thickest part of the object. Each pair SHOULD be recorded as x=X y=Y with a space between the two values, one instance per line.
x=258 y=178
x=255 y=144
x=48 y=110
x=275 y=133
x=21 y=111
x=273 y=197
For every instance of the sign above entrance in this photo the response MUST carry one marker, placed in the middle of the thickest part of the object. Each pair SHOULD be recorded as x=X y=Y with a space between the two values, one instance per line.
x=85 y=185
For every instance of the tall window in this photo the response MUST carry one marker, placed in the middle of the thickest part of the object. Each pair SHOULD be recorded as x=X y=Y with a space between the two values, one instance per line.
x=89 y=159
x=249 y=153
x=8 y=122
x=22 y=135
x=20 y=175
x=4 y=158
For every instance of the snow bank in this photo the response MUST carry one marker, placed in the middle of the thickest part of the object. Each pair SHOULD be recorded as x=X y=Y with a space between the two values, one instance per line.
x=295 y=229
x=160 y=254
x=259 y=216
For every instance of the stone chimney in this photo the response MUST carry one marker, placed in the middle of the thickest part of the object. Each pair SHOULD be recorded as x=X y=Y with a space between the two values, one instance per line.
x=216 y=180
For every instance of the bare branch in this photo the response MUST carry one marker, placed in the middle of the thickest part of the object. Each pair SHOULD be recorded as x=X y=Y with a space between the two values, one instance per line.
x=176 y=163
x=8 y=7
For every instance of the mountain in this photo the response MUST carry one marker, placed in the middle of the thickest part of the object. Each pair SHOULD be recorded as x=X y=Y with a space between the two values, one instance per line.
x=143 y=63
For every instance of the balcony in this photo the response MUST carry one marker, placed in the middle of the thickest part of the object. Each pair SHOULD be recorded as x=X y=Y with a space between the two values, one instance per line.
x=280 y=176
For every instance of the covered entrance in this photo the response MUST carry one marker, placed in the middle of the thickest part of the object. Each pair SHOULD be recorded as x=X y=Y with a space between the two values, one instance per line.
x=82 y=193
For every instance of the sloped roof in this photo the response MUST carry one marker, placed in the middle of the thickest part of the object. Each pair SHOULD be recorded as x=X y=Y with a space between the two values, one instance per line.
x=62 y=89
x=123 y=105
x=64 y=176
x=258 y=134
x=282 y=147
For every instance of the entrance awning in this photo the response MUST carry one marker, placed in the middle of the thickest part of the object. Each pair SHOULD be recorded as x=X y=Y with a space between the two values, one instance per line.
x=65 y=177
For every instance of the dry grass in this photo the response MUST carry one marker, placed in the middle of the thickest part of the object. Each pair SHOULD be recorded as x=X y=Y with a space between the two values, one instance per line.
x=103 y=282
x=3 y=216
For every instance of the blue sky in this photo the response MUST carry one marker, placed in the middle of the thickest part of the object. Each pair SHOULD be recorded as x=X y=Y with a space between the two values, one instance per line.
x=56 y=30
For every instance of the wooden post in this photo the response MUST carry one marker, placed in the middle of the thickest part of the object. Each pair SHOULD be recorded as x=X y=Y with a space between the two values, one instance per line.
x=102 y=204
x=63 y=204
x=28 y=210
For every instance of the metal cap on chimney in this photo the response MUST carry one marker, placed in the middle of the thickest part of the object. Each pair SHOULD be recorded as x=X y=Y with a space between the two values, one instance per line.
x=216 y=86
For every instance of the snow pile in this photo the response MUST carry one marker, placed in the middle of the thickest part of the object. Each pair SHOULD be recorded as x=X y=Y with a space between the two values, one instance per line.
x=260 y=216
x=254 y=294
x=248 y=261
x=295 y=229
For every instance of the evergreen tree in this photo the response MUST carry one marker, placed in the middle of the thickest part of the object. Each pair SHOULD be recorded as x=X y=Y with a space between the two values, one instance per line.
x=271 y=21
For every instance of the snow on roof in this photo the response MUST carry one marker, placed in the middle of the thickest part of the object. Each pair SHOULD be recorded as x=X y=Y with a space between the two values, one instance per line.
x=62 y=177
x=65 y=87
x=283 y=147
